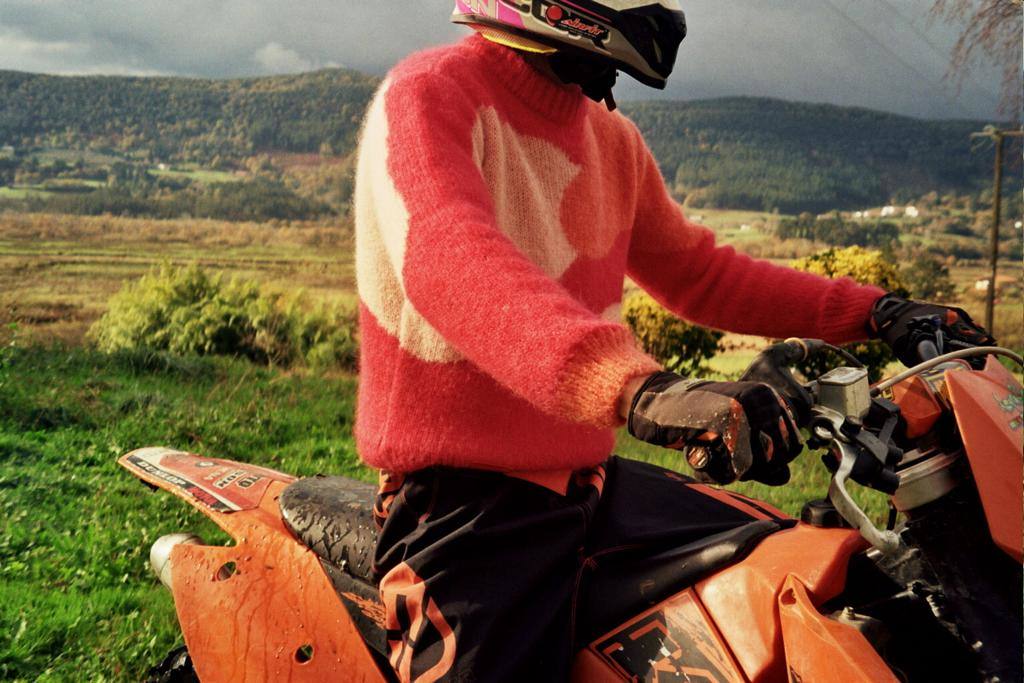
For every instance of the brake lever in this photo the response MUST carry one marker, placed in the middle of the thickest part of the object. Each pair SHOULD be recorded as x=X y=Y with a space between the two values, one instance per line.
x=885 y=540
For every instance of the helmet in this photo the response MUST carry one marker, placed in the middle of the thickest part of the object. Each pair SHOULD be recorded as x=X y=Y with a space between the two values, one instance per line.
x=640 y=37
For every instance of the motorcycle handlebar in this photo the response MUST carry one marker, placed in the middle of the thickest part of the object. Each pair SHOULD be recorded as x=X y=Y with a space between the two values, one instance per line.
x=771 y=367
x=926 y=350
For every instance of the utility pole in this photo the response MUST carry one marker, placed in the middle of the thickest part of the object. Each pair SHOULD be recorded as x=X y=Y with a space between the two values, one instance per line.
x=998 y=136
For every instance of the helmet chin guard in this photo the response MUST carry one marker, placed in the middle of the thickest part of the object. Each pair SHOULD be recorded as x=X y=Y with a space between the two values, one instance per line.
x=639 y=37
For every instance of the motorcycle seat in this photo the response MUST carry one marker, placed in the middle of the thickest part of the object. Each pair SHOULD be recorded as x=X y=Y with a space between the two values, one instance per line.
x=333 y=517
x=618 y=586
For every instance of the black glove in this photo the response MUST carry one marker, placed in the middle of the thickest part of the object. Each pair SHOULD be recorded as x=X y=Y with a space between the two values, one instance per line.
x=728 y=430
x=904 y=324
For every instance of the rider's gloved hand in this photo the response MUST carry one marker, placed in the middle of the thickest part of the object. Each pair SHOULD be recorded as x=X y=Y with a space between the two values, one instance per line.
x=728 y=430
x=904 y=324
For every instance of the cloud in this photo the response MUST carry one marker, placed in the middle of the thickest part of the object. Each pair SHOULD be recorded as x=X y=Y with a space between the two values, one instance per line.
x=278 y=59
x=17 y=48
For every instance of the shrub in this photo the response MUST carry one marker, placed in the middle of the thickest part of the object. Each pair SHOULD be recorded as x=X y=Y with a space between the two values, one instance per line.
x=928 y=278
x=676 y=344
x=187 y=311
x=864 y=266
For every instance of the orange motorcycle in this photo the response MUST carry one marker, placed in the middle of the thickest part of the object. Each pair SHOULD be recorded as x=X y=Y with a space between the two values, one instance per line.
x=828 y=597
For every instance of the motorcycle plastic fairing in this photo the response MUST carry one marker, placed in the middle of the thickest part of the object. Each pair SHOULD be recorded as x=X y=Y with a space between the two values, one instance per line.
x=206 y=483
x=919 y=405
x=262 y=610
x=823 y=649
x=990 y=413
x=674 y=640
x=742 y=599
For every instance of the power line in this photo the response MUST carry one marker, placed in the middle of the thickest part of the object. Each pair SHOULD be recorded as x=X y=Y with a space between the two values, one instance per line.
x=885 y=48
x=938 y=51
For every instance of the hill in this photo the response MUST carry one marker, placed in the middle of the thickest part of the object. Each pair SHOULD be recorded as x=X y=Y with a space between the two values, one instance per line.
x=742 y=153
x=757 y=153
x=184 y=119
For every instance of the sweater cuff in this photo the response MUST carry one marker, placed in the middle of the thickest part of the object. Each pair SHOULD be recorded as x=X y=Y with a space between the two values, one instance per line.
x=844 y=316
x=591 y=383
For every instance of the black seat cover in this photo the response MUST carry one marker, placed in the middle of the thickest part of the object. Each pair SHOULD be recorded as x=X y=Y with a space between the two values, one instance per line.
x=333 y=516
x=619 y=586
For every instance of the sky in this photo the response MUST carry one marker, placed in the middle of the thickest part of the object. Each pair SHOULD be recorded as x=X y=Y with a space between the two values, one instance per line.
x=880 y=54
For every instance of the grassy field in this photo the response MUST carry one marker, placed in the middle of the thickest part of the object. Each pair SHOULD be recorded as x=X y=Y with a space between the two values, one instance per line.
x=197 y=174
x=22 y=192
x=57 y=272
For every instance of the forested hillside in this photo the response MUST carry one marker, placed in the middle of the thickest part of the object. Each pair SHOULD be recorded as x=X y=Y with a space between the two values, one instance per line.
x=741 y=153
x=766 y=154
x=185 y=119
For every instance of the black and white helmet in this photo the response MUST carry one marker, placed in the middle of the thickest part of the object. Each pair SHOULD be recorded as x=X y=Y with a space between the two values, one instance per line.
x=639 y=37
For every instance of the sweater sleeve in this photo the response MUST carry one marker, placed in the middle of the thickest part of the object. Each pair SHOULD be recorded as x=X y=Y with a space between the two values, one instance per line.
x=680 y=265
x=470 y=282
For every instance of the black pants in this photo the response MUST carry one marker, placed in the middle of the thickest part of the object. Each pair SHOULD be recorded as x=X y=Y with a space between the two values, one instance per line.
x=481 y=572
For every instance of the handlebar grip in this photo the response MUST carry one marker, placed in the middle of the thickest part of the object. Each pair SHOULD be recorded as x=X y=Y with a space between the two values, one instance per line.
x=771 y=367
x=797 y=350
x=926 y=350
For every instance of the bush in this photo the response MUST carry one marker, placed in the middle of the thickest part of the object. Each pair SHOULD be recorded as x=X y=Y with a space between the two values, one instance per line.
x=676 y=344
x=867 y=267
x=928 y=278
x=186 y=311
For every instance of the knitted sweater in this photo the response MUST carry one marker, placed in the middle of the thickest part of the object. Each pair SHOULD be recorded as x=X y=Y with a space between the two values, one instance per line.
x=497 y=214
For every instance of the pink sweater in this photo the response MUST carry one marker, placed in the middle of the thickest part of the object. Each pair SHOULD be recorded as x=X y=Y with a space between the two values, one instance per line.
x=497 y=214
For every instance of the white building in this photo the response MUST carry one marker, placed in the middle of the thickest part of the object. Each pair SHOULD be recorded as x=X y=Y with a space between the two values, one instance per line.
x=888 y=211
x=911 y=212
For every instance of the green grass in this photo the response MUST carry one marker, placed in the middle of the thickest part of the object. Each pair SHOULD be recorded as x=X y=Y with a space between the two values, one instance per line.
x=77 y=600
x=731 y=364
x=91 y=158
x=201 y=175
x=25 y=192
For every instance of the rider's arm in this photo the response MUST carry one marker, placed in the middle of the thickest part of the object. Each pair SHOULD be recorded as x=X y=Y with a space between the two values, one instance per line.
x=470 y=282
x=679 y=263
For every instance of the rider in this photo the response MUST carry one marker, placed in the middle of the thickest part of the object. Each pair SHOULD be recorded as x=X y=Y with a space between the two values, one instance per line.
x=499 y=205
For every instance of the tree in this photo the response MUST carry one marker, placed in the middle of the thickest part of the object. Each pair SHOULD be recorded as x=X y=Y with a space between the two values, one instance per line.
x=991 y=31
x=867 y=267
x=928 y=278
